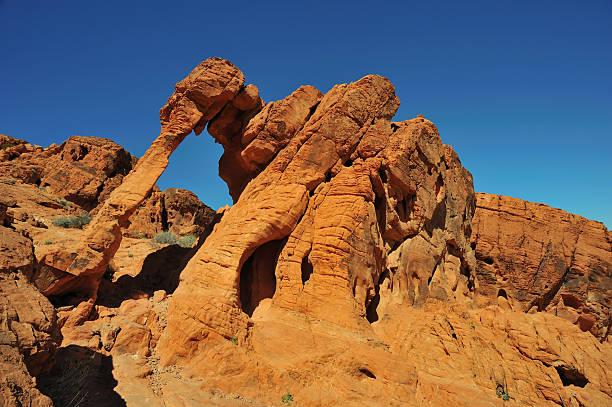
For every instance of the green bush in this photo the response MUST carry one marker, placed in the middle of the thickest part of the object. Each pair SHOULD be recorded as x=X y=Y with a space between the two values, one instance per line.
x=65 y=202
x=48 y=242
x=186 y=241
x=165 y=238
x=75 y=222
x=287 y=399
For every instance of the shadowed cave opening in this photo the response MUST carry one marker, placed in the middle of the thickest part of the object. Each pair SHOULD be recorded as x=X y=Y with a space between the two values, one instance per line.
x=569 y=375
x=502 y=293
x=372 y=308
x=367 y=373
x=257 y=276
x=307 y=269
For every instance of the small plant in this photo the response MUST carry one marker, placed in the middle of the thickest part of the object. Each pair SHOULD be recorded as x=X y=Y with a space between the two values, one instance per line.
x=287 y=399
x=130 y=254
x=165 y=238
x=234 y=340
x=48 y=242
x=75 y=222
x=186 y=241
x=472 y=325
x=65 y=203
x=502 y=393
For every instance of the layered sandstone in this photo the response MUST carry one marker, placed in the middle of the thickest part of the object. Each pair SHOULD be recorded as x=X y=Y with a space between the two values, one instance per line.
x=544 y=259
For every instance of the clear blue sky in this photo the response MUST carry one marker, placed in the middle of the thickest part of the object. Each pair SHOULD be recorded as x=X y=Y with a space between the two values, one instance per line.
x=521 y=89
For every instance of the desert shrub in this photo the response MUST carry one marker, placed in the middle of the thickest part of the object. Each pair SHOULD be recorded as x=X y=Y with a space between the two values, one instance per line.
x=130 y=254
x=65 y=202
x=287 y=399
x=75 y=222
x=234 y=340
x=186 y=241
x=48 y=242
x=165 y=238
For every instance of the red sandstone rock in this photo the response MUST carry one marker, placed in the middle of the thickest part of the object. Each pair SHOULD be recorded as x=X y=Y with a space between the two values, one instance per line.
x=176 y=210
x=83 y=170
x=544 y=259
x=29 y=333
x=198 y=98
x=343 y=274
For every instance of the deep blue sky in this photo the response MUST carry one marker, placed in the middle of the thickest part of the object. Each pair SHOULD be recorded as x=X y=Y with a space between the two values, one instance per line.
x=521 y=89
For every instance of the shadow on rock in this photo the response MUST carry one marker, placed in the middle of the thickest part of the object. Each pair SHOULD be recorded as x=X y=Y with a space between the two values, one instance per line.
x=160 y=271
x=81 y=377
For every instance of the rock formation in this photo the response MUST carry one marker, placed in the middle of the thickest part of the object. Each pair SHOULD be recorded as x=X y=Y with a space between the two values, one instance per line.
x=198 y=98
x=544 y=259
x=29 y=334
x=83 y=170
x=356 y=267
x=175 y=210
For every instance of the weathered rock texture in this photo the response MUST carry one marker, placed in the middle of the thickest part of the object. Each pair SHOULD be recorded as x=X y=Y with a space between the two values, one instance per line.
x=343 y=275
x=198 y=98
x=544 y=259
x=175 y=210
x=83 y=170
x=29 y=334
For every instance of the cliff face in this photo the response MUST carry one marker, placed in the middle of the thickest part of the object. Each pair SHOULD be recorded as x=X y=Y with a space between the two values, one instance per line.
x=356 y=267
x=544 y=259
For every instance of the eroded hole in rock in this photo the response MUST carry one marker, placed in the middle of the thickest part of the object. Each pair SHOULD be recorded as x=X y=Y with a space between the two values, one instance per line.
x=570 y=300
x=405 y=206
x=348 y=163
x=488 y=260
x=372 y=308
x=307 y=269
x=328 y=176
x=571 y=376
x=367 y=373
x=467 y=272
x=382 y=174
x=502 y=293
x=257 y=276
x=473 y=245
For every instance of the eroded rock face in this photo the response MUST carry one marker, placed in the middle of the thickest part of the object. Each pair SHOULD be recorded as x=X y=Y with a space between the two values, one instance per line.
x=544 y=259
x=29 y=334
x=351 y=214
x=198 y=98
x=83 y=170
x=176 y=210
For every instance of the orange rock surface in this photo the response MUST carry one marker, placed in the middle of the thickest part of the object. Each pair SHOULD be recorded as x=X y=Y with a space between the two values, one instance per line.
x=357 y=267
x=29 y=334
x=544 y=259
